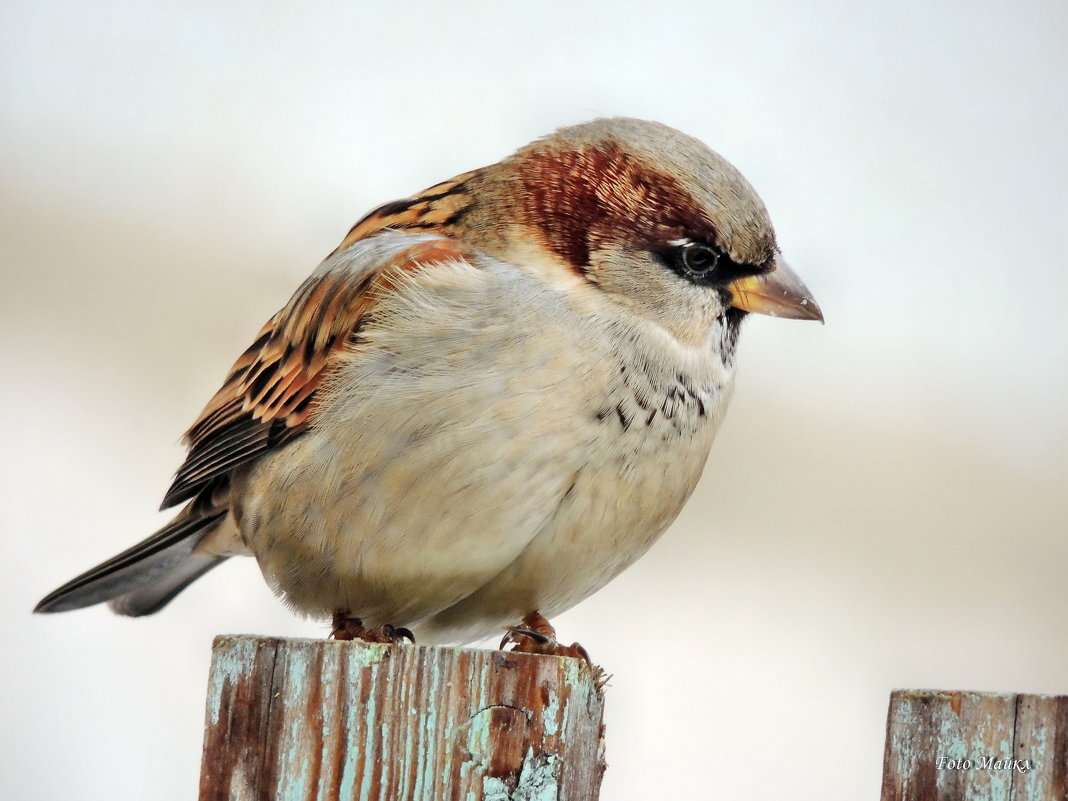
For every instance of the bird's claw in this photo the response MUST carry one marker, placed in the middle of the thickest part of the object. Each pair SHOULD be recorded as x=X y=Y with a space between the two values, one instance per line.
x=352 y=628
x=518 y=635
x=537 y=636
x=529 y=641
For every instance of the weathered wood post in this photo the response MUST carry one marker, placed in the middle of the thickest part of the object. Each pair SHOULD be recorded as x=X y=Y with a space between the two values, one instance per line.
x=300 y=719
x=945 y=746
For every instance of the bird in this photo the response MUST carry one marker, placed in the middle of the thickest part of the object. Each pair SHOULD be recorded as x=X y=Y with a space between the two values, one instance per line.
x=489 y=400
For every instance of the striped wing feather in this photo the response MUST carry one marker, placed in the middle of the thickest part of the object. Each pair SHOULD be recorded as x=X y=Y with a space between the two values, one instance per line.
x=269 y=396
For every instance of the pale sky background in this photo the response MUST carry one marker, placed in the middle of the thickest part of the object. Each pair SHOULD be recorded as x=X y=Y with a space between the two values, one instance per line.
x=886 y=505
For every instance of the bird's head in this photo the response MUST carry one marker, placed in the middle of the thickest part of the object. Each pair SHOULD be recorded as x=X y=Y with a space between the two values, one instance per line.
x=647 y=214
x=651 y=217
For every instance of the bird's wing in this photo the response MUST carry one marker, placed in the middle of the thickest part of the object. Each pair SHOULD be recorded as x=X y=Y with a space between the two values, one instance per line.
x=434 y=210
x=269 y=396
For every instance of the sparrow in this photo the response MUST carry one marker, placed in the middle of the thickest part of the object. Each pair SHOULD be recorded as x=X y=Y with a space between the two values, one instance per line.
x=486 y=403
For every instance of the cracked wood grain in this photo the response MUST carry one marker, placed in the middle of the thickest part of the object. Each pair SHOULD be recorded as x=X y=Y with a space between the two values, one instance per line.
x=945 y=746
x=296 y=720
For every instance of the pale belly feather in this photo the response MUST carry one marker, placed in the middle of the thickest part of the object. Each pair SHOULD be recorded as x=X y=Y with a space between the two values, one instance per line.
x=469 y=475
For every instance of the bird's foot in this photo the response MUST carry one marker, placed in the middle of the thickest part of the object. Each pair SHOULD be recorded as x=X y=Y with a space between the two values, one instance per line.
x=537 y=636
x=352 y=628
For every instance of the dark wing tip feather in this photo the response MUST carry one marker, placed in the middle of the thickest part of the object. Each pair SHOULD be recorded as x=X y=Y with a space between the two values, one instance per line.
x=130 y=568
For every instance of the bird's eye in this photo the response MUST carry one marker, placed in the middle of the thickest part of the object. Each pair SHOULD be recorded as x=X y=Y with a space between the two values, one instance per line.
x=699 y=259
x=705 y=264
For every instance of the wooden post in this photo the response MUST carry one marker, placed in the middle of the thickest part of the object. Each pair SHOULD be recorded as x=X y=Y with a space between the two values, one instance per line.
x=945 y=746
x=292 y=719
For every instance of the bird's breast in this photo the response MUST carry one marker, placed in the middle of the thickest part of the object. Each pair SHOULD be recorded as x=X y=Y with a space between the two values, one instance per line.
x=505 y=453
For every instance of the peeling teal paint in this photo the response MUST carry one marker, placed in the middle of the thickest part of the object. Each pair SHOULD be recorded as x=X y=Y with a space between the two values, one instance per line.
x=538 y=781
x=369 y=718
x=231 y=658
x=429 y=722
x=550 y=715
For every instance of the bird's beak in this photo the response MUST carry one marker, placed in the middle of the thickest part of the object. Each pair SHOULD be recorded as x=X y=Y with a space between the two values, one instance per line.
x=778 y=293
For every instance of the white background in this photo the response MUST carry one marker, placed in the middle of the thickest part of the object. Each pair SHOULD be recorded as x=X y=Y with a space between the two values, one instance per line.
x=885 y=506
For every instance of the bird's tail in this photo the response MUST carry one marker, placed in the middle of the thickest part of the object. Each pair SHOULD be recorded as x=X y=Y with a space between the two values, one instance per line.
x=144 y=578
